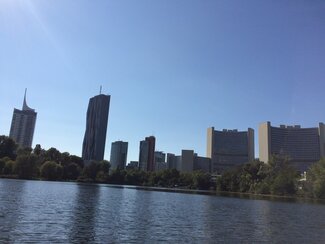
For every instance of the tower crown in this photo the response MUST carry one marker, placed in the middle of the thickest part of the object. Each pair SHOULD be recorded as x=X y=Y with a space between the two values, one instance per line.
x=25 y=106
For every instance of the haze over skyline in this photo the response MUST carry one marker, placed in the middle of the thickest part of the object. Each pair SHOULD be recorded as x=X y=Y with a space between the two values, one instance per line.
x=172 y=68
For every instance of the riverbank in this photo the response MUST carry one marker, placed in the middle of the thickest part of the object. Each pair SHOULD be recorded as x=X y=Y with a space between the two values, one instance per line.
x=242 y=195
x=222 y=193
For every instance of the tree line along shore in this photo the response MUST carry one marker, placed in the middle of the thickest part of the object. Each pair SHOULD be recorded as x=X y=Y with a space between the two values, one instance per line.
x=276 y=177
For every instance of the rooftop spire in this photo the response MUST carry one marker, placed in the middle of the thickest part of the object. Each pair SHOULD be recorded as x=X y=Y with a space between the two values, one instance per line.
x=100 y=90
x=25 y=106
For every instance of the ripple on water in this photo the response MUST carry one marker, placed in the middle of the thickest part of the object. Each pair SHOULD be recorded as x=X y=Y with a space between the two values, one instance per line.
x=33 y=211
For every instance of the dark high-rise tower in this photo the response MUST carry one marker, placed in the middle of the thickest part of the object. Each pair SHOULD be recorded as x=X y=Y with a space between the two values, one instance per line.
x=147 y=154
x=96 y=128
x=23 y=125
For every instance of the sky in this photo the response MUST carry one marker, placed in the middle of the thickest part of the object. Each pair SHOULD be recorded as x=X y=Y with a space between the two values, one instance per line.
x=172 y=68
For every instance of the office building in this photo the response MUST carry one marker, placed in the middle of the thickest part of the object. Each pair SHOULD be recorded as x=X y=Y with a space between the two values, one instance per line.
x=188 y=161
x=147 y=154
x=171 y=161
x=160 y=161
x=96 y=128
x=119 y=151
x=202 y=164
x=133 y=165
x=23 y=125
x=228 y=148
x=303 y=146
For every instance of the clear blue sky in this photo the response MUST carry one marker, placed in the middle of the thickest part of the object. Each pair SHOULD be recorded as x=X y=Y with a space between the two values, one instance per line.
x=173 y=68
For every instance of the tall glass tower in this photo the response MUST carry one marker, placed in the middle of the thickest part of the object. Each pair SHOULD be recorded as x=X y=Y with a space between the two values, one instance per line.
x=23 y=125
x=96 y=127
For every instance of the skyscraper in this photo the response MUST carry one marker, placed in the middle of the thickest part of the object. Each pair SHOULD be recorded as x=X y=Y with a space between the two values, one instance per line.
x=303 y=146
x=96 y=128
x=23 y=125
x=160 y=161
x=119 y=152
x=147 y=154
x=228 y=148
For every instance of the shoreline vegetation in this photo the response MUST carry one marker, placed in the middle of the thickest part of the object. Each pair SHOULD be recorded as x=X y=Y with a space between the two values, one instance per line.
x=276 y=179
x=243 y=195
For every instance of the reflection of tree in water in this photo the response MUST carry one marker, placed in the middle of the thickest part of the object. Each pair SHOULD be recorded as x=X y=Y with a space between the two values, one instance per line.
x=11 y=204
x=85 y=213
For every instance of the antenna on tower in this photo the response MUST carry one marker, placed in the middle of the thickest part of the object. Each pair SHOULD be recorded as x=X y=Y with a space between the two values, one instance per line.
x=100 y=90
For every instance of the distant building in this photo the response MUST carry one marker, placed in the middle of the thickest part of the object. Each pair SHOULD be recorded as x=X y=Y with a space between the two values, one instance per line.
x=147 y=154
x=303 y=146
x=202 y=163
x=160 y=161
x=96 y=128
x=188 y=161
x=228 y=148
x=171 y=161
x=119 y=152
x=23 y=125
x=133 y=165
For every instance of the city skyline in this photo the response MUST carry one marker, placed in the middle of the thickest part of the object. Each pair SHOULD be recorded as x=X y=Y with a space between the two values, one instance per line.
x=256 y=143
x=237 y=146
x=214 y=64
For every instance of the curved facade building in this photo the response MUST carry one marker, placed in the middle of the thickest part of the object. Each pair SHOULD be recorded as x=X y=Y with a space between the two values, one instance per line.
x=96 y=127
x=23 y=125
x=303 y=146
x=228 y=148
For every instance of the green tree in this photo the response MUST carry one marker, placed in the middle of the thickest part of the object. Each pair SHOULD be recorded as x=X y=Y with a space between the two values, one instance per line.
x=38 y=150
x=170 y=177
x=201 y=180
x=59 y=172
x=135 y=177
x=50 y=170
x=25 y=166
x=3 y=163
x=285 y=183
x=24 y=151
x=230 y=180
x=71 y=171
x=90 y=171
x=53 y=155
x=117 y=176
x=315 y=182
x=7 y=147
x=8 y=168
x=77 y=160
x=104 y=166
x=186 y=180
x=65 y=158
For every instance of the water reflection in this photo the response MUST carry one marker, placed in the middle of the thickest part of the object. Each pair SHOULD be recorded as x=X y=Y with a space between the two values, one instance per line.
x=84 y=214
x=140 y=210
x=11 y=195
x=54 y=212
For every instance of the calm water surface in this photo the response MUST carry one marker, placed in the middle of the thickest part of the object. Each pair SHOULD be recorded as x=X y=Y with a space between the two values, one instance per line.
x=55 y=212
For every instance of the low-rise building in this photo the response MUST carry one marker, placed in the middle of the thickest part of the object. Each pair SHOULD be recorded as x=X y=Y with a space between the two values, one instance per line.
x=188 y=161
x=133 y=165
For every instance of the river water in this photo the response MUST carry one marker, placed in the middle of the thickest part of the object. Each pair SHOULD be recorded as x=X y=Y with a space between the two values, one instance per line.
x=59 y=212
